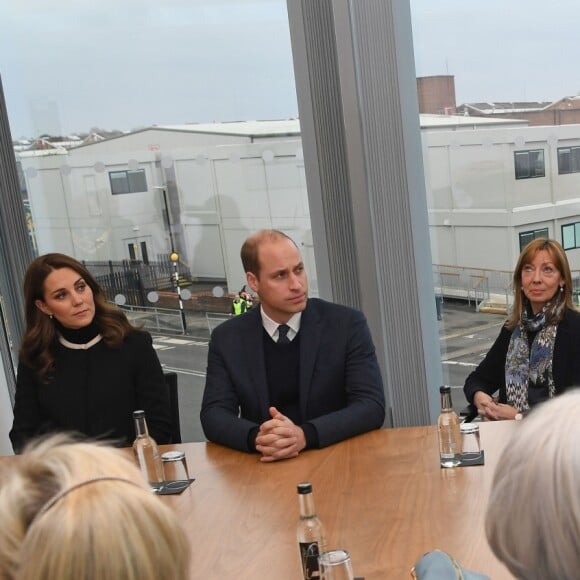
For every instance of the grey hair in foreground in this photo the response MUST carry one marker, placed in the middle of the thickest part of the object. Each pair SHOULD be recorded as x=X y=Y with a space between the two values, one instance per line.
x=533 y=516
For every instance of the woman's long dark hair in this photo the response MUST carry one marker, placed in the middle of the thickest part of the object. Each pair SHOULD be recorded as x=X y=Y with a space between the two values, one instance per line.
x=38 y=343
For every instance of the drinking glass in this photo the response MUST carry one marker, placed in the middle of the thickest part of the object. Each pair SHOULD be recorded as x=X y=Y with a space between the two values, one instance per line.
x=175 y=466
x=470 y=442
x=335 y=565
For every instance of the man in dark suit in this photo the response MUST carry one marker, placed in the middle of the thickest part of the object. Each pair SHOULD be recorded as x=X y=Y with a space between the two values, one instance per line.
x=293 y=374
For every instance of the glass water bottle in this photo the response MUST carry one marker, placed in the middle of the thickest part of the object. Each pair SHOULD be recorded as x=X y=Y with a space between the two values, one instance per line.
x=310 y=533
x=448 y=426
x=147 y=453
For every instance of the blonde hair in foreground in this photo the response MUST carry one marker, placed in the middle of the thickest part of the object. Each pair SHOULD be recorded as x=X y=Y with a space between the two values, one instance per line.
x=533 y=517
x=103 y=530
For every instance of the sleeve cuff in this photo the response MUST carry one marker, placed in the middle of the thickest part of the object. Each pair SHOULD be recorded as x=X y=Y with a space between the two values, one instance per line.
x=311 y=436
x=252 y=438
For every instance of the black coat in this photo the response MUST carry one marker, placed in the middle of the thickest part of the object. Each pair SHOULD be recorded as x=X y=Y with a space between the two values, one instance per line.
x=94 y=392
x=489 y=376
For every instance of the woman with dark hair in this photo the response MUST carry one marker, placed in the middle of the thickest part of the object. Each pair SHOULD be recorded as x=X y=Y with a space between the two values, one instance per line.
x=83 y=367
x=536 y=355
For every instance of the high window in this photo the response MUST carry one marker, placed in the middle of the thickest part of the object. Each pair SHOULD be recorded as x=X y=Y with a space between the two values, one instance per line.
x=529 y=163
x=571 y=236
x=527 y=237
x=127 y=181
x=568 y=159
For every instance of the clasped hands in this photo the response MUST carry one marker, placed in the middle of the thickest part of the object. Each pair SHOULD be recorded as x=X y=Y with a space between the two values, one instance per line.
x=490 y=410
x=279 y=438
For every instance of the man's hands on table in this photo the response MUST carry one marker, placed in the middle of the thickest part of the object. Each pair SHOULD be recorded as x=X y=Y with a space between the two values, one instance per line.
x=279 y=438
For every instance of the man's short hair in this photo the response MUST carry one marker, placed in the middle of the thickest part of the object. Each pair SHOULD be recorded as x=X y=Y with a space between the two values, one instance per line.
x=251 y=247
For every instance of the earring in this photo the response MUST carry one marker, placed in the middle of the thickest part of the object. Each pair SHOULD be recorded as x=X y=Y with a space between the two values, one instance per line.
x=561 y=288
x=50 y=316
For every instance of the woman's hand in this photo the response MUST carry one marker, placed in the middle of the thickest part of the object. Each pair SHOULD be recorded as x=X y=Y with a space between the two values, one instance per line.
x=490 y=410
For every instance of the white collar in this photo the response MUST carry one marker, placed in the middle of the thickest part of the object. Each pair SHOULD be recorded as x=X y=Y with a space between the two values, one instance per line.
x=75 y=346
x=271 y=327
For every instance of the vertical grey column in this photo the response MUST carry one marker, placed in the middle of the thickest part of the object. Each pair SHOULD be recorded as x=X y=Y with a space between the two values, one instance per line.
x=355 y=79
x=15 y=250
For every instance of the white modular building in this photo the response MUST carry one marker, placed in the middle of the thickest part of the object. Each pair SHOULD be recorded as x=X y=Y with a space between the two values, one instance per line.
x=197 y=189
x=492 y=190
x=492 y=185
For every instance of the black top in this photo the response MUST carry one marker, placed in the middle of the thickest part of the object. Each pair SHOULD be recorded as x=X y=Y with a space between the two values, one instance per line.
x=489 y=376
x=283 y=375
x=94 y=392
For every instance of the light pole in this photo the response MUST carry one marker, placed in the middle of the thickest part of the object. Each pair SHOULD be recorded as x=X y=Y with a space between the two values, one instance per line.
x=167 y=218
x=174 y=256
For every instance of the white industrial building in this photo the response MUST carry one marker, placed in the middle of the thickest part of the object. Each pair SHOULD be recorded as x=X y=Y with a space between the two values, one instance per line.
x=219 y=183
x=492 y=190
x=491 y=184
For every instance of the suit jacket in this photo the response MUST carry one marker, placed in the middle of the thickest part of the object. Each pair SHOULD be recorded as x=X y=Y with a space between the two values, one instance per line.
x=489 y=376
x=340 y=387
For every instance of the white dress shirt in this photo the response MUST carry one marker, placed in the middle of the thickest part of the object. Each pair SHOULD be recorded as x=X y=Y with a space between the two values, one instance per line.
x=271 y=327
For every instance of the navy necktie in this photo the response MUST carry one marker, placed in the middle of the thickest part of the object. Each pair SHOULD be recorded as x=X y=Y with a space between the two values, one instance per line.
x=283 y=334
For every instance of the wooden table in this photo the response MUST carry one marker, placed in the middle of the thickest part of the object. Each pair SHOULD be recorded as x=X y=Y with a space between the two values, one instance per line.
x=382 y=496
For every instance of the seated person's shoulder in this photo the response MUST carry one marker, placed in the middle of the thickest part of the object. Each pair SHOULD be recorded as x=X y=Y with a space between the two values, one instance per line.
x=232 y=327
x=573 y=315
x=331 y=309
x=572 y=320
x=337 y=318
x=138 y=338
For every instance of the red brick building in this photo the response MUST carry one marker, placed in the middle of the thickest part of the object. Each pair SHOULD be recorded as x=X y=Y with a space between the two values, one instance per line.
x=436 y=95
x=565 y=111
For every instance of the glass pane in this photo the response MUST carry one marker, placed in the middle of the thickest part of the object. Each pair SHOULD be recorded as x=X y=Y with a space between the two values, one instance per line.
x=564 y=160
x=119 y=182
x=525 y=239
x=181 y=136
x=522 y=161
x=497 y=142
x=537 y=163
x=137 y=181
x=568 y=237
x=575 y=159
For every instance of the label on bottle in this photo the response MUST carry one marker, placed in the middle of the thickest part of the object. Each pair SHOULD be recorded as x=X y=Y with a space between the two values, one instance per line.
x=309 y=557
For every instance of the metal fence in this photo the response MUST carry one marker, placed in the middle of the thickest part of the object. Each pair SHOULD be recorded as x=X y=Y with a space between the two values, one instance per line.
x=473 y=284
x=135 y=279
x=479 y=285
x=155 y=319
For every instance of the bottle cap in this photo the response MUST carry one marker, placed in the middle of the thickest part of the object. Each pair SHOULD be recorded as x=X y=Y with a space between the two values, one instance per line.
x=173 y=456
x=304 y=488
x=138 y=414
x=445 y=389
x=469 y=427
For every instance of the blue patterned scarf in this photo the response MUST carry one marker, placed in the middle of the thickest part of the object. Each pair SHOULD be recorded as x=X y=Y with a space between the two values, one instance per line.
x=523 y=367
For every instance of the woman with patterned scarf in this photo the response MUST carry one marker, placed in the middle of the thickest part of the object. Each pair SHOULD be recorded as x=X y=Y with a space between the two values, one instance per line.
x=537 y=353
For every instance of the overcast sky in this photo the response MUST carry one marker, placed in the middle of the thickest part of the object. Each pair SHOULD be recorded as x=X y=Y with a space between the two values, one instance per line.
x=500 y=50
x=69 y=65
